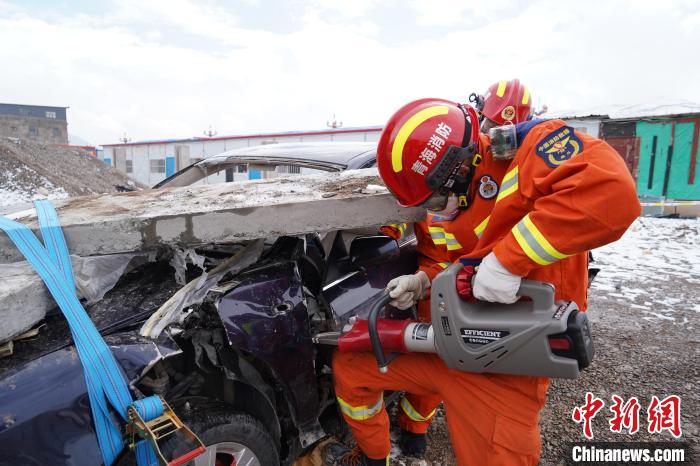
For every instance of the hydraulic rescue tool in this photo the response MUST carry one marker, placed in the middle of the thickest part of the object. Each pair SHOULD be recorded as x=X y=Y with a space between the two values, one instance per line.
x=535 y=336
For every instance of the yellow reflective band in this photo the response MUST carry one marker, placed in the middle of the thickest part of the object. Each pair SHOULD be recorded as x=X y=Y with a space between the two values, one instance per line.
x=444 y=265
x=408 y=128
x=437 y=234
x=482 y=226
x=541 y=240
x=534 y=244
x=526 y=96
x=526 y=247
x=360 y=413
x=401 y=227
x=451 y=242
x=412 y=413
x=501 y=88
x=509 y=184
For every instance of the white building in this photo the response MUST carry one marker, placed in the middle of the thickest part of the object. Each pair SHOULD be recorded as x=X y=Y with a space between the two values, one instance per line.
x=150 y=162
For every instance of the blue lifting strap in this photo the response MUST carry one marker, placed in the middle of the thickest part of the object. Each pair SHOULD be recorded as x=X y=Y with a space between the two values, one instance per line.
x=106 y=384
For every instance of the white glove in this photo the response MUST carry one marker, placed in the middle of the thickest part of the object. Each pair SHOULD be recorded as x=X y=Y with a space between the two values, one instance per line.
x=407 y=289
x=494 y=283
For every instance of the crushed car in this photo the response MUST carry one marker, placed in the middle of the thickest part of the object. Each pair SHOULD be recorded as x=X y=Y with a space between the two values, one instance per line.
x=224 y=333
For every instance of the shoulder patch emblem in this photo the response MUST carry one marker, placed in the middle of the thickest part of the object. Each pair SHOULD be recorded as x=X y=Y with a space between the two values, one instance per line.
x=488 y=188
x=559 y=146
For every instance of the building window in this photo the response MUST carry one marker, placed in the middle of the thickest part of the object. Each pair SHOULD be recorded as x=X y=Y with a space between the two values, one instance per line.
x=241 y=168
x=291 y=169
x=130 y=166
x=56 y=132
x=157 y=166
x=50 y=114
x=33 y=131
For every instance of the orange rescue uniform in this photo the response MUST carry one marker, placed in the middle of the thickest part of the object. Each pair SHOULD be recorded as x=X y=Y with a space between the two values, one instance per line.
x=562 y=194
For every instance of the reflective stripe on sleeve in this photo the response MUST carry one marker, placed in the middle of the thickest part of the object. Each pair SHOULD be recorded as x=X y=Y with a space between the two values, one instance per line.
x=479 y=230
x=440 y=237
x=360 y=413
x=412 y=413
x=444 y=265
x=509 y=184
x=437 y=234
x=451 y=242
x=400 y=227
x=534 y=244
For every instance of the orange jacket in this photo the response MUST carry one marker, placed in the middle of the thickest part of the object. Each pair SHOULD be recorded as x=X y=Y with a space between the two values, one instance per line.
x=564 y=193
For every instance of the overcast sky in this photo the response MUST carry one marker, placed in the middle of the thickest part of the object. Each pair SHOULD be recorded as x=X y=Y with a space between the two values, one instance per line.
x=170 y=68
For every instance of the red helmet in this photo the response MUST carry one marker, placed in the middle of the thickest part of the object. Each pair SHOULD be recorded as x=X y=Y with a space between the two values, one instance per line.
x=422 y=147
x=507 y=101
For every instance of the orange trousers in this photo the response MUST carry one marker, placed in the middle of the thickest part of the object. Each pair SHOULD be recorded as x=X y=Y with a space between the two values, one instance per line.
x=493 y=419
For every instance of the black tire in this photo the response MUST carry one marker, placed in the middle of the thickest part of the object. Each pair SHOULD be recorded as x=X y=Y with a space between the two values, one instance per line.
x=217 y=423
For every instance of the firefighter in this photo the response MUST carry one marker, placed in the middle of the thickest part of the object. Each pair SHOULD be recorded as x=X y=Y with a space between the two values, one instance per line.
x=504 y=102
x=559 y=194
x=447 y=235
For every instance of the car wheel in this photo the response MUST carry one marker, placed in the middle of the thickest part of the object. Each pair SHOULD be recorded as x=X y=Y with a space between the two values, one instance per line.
x=231 y=438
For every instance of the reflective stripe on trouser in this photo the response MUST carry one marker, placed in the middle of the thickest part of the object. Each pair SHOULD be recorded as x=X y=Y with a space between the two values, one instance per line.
x=492 y=418
x=509 y=185
x=412 y=406
x=411 y=412
x=360 y=413
x=441 y=237
x=534 y=244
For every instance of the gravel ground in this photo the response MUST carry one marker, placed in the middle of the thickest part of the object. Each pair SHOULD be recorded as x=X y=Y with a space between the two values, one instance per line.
x=644 y=308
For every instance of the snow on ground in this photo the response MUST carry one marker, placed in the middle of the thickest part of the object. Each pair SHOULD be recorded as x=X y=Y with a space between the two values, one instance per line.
x=16 y=190
x=655 y=268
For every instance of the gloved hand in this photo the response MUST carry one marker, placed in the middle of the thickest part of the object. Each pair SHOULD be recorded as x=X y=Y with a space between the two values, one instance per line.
x=494 y=283
x=464 y=282
x=407 y=289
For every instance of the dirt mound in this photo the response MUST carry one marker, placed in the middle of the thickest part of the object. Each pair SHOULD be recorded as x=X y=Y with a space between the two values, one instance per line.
x=30 y=170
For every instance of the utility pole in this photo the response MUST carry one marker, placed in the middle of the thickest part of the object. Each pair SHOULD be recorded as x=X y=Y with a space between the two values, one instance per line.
x=210 y=133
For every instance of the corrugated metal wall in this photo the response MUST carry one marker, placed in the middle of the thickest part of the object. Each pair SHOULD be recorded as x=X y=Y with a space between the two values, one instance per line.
x=662 y=154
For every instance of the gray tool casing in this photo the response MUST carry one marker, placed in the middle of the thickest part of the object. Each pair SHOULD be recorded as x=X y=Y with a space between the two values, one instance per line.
x=500 y=338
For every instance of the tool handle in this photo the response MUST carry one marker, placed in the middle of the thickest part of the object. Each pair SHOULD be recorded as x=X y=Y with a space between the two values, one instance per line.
x=541 y=293
x=382 y=361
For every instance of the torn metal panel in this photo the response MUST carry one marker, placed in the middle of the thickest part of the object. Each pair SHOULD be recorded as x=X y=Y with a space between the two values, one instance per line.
x=196 y=290
x=179 y=262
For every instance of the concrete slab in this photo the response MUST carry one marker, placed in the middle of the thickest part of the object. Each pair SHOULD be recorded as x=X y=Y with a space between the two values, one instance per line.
x=221 y=213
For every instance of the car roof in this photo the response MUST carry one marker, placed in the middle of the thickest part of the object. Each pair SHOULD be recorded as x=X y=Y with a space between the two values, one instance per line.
x=341 y=154
x=328 y=156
